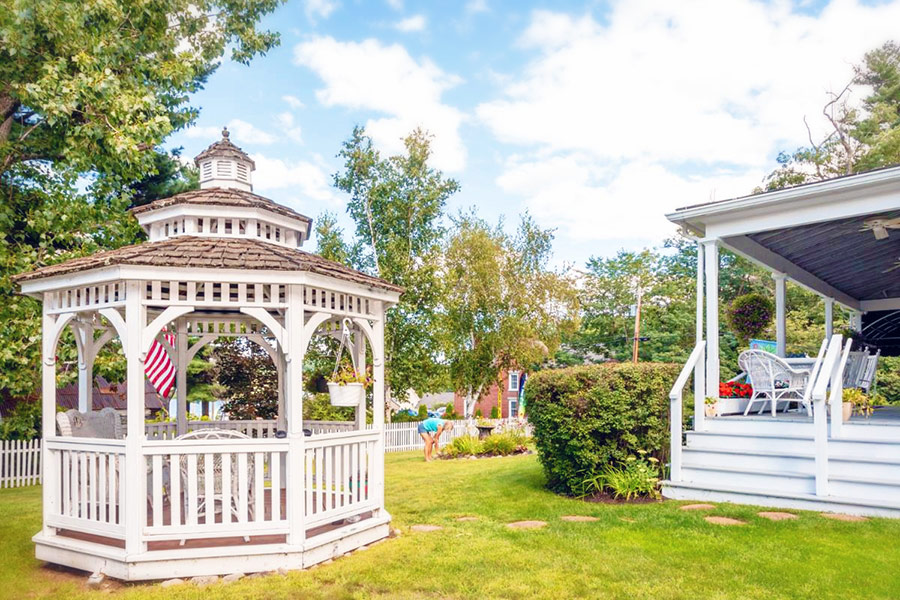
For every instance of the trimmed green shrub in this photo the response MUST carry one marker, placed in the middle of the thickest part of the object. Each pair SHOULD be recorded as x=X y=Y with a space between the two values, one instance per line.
x=749 y=315
x=495 y=412
x=423 y=412
x=479 y=414
x=587 y=417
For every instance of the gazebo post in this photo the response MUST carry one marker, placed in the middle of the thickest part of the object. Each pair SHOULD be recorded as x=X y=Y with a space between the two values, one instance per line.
x=50 y=475
x=181 y=360
x=84 y=336
x=294 y=344
x=133 y=480
x=378 y=402
x=360 y=347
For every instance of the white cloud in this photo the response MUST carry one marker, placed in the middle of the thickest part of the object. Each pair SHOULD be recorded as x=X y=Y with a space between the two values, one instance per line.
x=316 y=9
x=289 y=126
x=293 y=101
x=611 y=115
x=371 y=76
x=309 y=185
x=476 y=6
x=411 y=24
x=240 y=132
x=395 y=4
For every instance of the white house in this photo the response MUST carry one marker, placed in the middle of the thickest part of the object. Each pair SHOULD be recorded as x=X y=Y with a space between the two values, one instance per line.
x=186 y=499
x=841 y=239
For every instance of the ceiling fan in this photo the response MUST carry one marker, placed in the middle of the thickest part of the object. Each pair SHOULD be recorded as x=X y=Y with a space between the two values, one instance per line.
x=896 y=266
x=880 y=227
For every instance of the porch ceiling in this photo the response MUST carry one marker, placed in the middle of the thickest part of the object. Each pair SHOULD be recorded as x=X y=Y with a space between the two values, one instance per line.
x=842 y=254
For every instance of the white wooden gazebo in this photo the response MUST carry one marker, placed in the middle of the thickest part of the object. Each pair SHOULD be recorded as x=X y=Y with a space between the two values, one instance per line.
x=220 y=261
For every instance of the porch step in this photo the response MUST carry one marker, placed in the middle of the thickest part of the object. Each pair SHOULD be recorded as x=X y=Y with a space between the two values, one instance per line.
x=758 y=479
x=797 y=462
x=780 y=499
x=864 y=487
x=752 y=442
x=759 y=425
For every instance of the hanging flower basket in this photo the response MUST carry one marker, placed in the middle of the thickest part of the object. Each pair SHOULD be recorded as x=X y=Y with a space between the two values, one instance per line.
x=346 y=394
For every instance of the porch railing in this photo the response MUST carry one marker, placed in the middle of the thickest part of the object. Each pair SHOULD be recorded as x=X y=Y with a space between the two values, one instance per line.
x=831 y=374
x=675 y=405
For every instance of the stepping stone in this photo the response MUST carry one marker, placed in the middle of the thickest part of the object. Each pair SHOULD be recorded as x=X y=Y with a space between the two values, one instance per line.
x=844 y=517
x=723 y=521
x=627 y=519
x=579 y=518
x=698 y=507
x=425 y=528
x=777 y=516
x=527 y=524
x=466 y=519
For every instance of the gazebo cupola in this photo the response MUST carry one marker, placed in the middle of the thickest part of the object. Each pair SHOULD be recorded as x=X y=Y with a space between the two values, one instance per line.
x=224 y=206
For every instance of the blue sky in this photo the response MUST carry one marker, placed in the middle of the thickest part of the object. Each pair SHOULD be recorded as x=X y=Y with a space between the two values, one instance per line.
x=596 y=117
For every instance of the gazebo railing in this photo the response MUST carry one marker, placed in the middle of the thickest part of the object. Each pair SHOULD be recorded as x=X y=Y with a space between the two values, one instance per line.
x=255 y=428
x=338 y=468
x=215 y=488
x=90 y=490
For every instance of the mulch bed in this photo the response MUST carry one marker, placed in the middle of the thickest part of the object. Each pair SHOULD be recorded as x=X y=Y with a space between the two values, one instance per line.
x=607 y=498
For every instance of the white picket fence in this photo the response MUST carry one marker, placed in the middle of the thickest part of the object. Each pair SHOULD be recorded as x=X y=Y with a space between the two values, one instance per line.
x=20 y=463
x=403 y=437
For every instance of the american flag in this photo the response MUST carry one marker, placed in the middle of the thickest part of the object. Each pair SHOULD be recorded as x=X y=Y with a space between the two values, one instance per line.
x=159 y=368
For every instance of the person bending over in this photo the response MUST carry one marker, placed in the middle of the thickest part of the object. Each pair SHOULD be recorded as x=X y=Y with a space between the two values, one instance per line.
x=430 y=429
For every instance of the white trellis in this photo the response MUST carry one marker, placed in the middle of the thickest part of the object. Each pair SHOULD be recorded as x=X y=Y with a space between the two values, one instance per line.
x=223 y=262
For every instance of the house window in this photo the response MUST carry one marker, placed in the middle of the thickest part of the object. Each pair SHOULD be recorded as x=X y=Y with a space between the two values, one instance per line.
x=514 y=381
x=513 y=409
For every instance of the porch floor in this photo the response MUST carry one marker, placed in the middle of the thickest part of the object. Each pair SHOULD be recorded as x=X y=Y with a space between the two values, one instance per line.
x=883 y=415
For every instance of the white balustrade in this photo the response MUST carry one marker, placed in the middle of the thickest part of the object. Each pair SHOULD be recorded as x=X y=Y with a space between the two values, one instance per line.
x=90 y=491
x=215 y=488
x=337 y=471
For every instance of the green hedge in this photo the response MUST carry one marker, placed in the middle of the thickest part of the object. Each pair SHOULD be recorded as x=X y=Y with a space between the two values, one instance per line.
x=585 y=417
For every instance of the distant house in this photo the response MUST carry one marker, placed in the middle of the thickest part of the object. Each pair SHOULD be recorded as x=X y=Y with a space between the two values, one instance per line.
x=506 y=396
x=111 y=395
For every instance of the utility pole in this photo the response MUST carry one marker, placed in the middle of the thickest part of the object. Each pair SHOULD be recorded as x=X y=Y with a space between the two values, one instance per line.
x=637 y=327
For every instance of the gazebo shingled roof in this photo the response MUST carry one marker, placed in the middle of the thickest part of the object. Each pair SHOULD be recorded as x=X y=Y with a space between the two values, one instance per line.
x=223 y=148
x=221 y=197
x=211 y=253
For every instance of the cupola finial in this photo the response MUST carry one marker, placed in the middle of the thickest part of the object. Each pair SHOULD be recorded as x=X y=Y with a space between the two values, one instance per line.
x=225 y=133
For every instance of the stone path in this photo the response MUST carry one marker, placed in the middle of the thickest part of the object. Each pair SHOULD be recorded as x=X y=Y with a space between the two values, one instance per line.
x=466 y=519
x=527 y=524
x=723 y=521
x=777 y=516
x=425 y=528
x=698 y=507
x=844 y=517
x=578 y=518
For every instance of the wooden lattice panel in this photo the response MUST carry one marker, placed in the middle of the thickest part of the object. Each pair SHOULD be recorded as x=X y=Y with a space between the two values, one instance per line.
x=87 y=297
x=318 y=299
x=193 y=293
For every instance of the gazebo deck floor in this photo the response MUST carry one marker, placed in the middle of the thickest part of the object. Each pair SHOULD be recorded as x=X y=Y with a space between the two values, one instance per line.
x=212 y=542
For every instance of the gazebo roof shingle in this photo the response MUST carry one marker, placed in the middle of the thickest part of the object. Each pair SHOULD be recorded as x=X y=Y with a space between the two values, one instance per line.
x=221 y=197
x=211 y=253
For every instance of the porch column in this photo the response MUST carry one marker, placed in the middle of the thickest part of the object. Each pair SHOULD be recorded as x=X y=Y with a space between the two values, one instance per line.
x=829 y=318
x=780 y=316
x=294 y=346
x=700 y=369
x=856 y=321
x=181 y=362
x=711 y=267
x=134 y=480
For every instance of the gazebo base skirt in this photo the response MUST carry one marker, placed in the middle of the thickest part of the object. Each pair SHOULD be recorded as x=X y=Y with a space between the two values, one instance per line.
x=222 y=559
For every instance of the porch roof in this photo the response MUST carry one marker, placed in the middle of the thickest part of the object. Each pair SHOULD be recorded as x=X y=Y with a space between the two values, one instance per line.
x=821 y=235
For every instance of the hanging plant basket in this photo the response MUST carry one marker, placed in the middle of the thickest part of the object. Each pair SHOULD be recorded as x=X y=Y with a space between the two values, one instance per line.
x=346 y=394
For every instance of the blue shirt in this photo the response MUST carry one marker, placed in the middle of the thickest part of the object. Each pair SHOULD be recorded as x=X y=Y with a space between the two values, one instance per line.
x=431 y=424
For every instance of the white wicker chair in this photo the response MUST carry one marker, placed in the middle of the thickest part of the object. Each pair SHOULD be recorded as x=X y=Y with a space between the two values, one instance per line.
x=105 y=424
x=772 y=379
x=218 y=498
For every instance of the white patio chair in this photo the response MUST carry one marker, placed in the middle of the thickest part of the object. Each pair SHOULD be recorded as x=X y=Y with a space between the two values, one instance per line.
x=772 y=379
x=218 y=498
x=855 y=368
x=104 y=424
x=867 y=376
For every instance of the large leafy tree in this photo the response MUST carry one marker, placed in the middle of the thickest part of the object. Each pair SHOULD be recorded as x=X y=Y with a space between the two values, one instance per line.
x=88 y=90
x=396 y=204
x=503 y=307
x=861 y=136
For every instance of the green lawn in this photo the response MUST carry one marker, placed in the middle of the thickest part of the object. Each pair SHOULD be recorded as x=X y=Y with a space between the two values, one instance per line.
x=633 y=551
